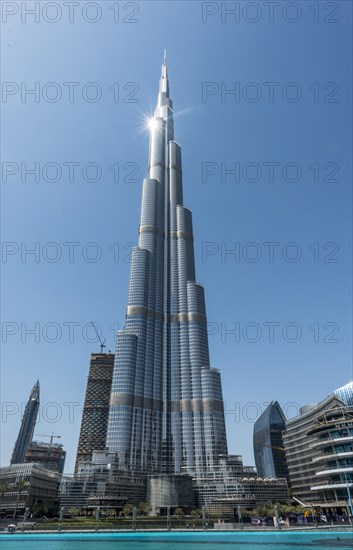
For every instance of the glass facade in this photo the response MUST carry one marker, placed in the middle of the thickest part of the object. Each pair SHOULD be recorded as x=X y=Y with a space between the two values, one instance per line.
x=40 y=488
x=231 y=484
x=345 y=394
x=28 y=423
x=269 y=452
x=300 y=448
x=333 y=456
x=166 y=408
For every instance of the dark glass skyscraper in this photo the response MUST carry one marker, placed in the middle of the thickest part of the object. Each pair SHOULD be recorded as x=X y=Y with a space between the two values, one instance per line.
x=166 y=407
x=27 y=426
x=269 y=452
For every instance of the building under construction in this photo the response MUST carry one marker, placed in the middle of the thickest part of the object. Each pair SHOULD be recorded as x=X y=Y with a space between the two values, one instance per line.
x=47 y=455
x=94 y=423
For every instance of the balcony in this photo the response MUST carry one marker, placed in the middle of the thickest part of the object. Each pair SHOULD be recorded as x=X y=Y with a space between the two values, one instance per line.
x=331 y=441
x=335 y=470
x=322 y=486
x=325 y=456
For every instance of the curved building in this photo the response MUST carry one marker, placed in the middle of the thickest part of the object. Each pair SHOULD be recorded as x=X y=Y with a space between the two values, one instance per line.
x=300 y=449
x=332 y=450
x=166 y=407
x=269 y=452
x=28 y=423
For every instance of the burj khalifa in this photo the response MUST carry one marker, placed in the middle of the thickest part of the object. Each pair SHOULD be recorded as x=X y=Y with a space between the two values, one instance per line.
x=166 y=410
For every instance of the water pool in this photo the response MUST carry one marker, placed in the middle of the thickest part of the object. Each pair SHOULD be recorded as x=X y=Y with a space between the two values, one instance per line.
x=178 y=541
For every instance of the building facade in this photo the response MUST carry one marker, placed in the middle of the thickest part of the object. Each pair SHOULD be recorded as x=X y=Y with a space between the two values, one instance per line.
x=332 y=458
x=94 y=422
x=270 y=458
x=28 y=486
x=101 y=480
x=298 y=444
x=166 y=408
x=28 y=423
x=231 y=486
x=170 y=491
x=50 y=456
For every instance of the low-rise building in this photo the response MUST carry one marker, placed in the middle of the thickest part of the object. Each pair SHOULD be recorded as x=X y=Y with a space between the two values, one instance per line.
x=232 y=485
x=101 y=480
x=27 y=485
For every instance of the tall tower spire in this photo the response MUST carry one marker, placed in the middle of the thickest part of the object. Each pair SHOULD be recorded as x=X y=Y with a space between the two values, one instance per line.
x=166 y=407
x=163 y=96
x=28 y=423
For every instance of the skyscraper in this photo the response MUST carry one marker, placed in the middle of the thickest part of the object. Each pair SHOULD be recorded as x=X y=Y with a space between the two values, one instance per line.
x=269 y=453
x=27 y=426
x=166 y=407
x=94 y=422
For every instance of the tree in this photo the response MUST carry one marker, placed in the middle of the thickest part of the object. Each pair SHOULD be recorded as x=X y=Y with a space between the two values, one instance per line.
x=221 y=512
x=74 y=511
x=144 y=508
x=127 y=510
x=4 y=487
x=179 y=512
x=267 y=509
x=39 y=509
x=20 y=486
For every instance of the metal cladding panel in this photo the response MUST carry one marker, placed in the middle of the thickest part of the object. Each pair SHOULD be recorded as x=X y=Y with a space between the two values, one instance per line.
x=149 y=204
x=122 y=396
x=157 y=142
x=175 y=155
x=138 y=295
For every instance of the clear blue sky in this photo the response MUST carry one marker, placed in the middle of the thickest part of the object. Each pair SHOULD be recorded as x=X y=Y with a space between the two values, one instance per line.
x=314 y=131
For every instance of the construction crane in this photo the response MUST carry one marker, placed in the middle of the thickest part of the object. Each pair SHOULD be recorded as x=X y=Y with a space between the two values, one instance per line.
x=276 y=447
x=260 y=443
x=52 y=436
x=102 y=344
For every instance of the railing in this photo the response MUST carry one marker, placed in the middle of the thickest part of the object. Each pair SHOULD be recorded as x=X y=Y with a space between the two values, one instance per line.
x=338 y=455
x=335 y=469
x=332 y=440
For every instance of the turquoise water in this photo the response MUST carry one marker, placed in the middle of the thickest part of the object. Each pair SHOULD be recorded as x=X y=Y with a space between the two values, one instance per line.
x=178 y=541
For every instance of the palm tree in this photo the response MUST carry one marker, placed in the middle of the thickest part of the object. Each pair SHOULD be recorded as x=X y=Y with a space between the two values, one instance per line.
x=127 y=510
x=4 y=487
x=20 y=486
x=179 y=513
x=144 y=508
x=74 y=511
